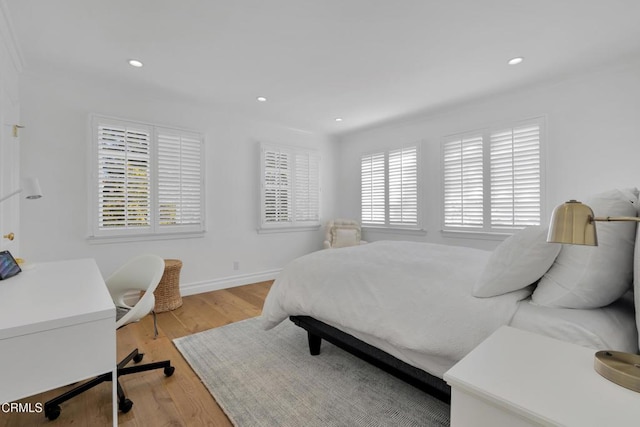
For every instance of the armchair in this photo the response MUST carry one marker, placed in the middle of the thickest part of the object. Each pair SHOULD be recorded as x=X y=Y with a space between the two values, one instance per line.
x=341 y=233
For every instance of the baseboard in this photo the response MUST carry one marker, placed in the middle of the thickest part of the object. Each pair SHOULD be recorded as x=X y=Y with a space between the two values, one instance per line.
x=227 y=282
x=215 y=284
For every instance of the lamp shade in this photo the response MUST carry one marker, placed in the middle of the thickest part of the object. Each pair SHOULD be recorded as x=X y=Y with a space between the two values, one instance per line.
x=31 y=188
x=572 y=222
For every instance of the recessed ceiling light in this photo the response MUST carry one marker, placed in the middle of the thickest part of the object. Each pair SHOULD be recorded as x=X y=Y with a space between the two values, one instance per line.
x=261 y=99
x=338 y=119
x=135 y=63
x=515 y=61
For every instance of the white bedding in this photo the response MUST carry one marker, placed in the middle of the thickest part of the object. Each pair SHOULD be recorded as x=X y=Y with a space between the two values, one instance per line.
x=415 y=297
x=608 y=328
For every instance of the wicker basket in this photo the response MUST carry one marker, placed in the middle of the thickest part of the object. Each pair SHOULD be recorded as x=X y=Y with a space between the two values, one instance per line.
x=167 y=293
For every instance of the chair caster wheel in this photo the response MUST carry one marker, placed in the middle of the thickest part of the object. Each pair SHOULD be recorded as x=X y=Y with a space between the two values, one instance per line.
x=168 y=371
x=138 y=358
x=125 y=405
x=52 y=412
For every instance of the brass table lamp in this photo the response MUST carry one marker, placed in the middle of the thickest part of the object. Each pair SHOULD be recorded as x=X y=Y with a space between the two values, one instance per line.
x=574 y=223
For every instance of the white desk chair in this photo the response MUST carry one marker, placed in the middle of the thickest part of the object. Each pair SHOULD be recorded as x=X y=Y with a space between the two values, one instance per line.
x=142 y=273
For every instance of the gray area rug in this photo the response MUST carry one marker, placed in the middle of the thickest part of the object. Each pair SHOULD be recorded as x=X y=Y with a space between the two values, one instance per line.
x=268 y=378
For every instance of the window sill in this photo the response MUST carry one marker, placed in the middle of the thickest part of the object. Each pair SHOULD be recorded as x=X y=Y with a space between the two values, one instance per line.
x=396 y=230
x=479 y=235
x=102 y=240
x=269 y=230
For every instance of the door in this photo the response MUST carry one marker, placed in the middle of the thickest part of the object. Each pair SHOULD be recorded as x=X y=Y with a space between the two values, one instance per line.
x=9 y=173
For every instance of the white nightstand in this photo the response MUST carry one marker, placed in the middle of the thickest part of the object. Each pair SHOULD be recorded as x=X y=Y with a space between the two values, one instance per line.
x=518 y=378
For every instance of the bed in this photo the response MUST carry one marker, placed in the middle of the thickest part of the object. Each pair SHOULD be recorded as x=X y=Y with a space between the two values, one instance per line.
x=415 y=309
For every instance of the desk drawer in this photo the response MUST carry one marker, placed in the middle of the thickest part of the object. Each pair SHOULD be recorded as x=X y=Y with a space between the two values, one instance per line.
x=33 y=363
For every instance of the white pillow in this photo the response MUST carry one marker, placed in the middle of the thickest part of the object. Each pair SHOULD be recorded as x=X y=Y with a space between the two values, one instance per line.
x=344 y=237
x=517 y=262
x=594 y=276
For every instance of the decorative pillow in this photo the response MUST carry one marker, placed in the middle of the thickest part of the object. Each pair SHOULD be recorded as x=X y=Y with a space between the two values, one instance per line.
x=594 y=276
x=517 y=262
x=344 y=237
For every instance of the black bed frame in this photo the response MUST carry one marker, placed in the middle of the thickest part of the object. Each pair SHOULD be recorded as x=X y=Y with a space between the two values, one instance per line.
x=317 y=331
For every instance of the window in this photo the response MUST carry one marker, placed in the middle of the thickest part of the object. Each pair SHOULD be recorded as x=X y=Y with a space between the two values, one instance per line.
x=463 y=181
x=389 y=188
x=179 y=178
x=373 y=187
x=148 y=179
x=290 y=188
x=492 y=179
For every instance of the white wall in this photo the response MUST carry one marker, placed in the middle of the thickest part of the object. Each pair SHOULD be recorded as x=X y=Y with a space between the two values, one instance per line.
x=55 y=144
x=593 y=144
x=10 y=68
x=593 y=129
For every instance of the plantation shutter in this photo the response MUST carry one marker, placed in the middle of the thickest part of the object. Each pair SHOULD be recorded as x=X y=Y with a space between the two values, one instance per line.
x=148 y=179
x=373 y=195
x=403 y=186
x=278 y=193
x=515 y=177
x=307 y=195
x=124 y=177
x=179 y=179
x=463 y=182
x=290 y=193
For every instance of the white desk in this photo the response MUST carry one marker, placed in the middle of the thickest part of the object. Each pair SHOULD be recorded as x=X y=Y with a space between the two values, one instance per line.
x=57 y=327
x=518 y=378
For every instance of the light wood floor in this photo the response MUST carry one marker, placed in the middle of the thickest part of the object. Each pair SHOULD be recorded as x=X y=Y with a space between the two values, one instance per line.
x=179 y=400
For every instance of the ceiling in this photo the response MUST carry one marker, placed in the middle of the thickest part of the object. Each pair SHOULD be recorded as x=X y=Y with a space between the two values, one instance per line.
x=365 y=61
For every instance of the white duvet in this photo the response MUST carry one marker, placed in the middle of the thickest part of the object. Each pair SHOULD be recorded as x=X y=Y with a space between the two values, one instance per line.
x=415 y=296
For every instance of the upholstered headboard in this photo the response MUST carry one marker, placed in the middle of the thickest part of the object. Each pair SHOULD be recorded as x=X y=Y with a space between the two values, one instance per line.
x=636 y=278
